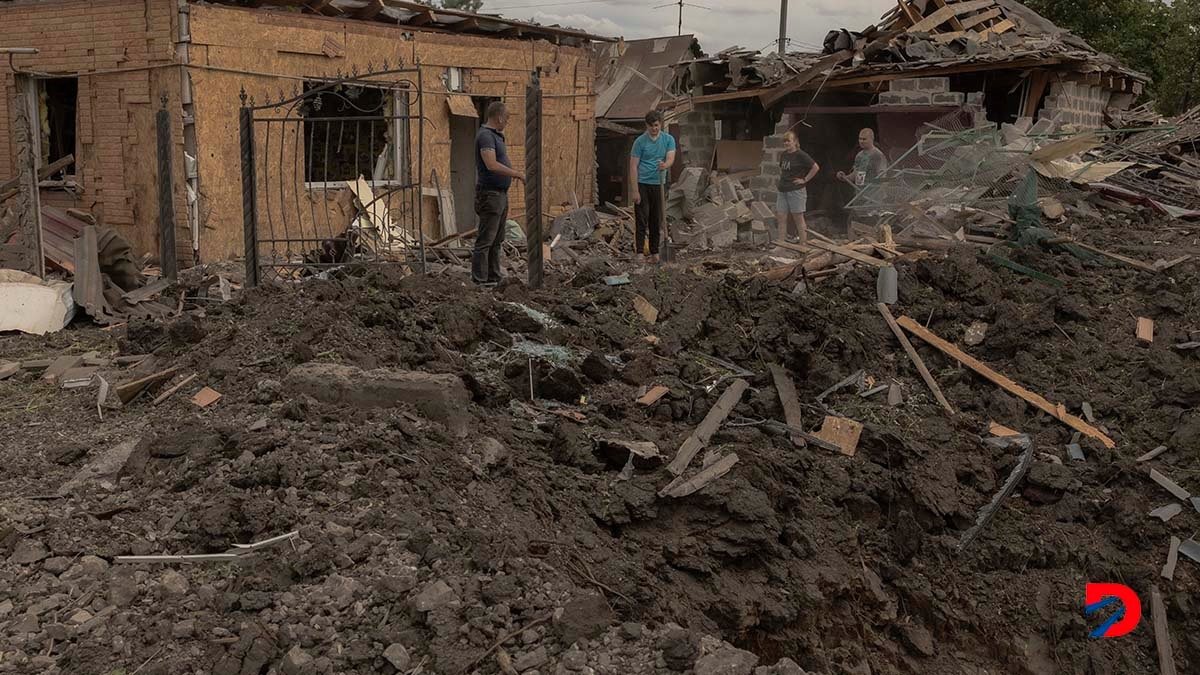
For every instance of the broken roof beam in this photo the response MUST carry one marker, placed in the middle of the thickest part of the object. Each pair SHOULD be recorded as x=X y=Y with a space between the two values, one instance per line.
x=972 y=21
x=422 y=18
x=465 y=25
x=948 y=12
x=370 y=11
x=954 y=22
x=776 y=94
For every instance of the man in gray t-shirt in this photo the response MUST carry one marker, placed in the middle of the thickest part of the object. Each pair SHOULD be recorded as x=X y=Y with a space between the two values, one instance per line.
x=869 y=163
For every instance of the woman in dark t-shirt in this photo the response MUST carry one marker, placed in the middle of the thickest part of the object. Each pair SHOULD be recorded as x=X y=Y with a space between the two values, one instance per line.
x=797 y=168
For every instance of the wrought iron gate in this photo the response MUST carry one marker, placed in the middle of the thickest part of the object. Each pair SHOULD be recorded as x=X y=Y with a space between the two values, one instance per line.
x=331 y=176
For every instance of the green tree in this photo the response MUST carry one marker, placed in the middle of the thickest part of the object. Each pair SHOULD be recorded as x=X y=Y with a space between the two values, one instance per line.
x=463 y=5
x=1178 y=85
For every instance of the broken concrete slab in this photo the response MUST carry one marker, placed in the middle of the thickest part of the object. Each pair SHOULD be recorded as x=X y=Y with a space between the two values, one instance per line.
x=108 y=464
x=442 y=398
x=30 y=305
x=435 y=594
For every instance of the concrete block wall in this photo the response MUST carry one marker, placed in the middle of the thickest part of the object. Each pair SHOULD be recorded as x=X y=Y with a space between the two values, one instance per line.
x=1076 y=103
x=765 y=185
x=920 y=91
x=698 y=137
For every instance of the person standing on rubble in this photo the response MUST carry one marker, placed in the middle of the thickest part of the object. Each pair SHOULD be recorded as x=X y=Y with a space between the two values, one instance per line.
x=652 y=156
x=869 y=163
x=494 y=175
x=797 y=168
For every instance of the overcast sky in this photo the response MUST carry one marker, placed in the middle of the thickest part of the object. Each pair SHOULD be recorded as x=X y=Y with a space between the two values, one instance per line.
x=752 y=24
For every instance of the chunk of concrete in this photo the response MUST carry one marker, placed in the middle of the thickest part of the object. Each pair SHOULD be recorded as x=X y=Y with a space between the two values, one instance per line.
x=435 y=594
x=31 y=305
x=441 y=398
x=727 y=660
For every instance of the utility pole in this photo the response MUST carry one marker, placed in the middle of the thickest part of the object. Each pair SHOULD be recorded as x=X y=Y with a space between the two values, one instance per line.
x=679 y=31
x=783 y=27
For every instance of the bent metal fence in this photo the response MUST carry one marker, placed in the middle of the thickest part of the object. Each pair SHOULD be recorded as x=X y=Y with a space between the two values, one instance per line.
x=331 y=176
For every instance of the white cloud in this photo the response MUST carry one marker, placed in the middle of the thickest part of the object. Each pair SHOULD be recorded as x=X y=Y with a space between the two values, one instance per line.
x=753 y=24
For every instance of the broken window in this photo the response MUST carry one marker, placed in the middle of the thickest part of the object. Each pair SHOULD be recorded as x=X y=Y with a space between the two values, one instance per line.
x=58 y=100
x=351 y=130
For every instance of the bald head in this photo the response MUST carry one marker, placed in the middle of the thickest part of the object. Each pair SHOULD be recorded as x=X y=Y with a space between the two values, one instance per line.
x=866 y=139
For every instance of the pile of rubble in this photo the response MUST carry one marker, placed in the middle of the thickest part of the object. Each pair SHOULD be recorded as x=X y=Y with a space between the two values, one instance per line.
x=713 y=211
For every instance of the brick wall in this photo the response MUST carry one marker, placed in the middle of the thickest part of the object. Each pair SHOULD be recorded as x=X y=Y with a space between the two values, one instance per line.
x=115 y=131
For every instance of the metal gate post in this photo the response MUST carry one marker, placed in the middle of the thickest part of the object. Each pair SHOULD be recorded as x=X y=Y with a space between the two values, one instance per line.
x=168 y=258
x=249 y=193
x=533 y=178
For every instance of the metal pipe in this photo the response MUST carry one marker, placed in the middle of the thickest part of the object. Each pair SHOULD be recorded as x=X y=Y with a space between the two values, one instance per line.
x=783 y=27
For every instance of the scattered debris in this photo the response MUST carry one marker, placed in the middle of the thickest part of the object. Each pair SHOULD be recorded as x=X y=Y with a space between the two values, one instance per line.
x=648 y=312
x=1002 y=431
x=238 y=551
x=786 y=389
x=642 y=454
x=975 y=334
x=169 y=392
x=1152 y=454
x=620 y=280
x=33 y=305
x=1162 y=633
x=1075 y=452
x=1145 y=330
x=1168 y=570
x=1056 y=411
x=915 y=358
x=130 y=390
x=682 y=488
x=206 y=397
x=988 y=512
x=700 y=437
x=1166 y=513
x=842 y=432
x=1169 y=485
x=651 y=397
x=1191 y=549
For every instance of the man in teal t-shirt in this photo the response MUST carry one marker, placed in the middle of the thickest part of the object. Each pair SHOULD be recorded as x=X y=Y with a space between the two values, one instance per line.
x=652 y=156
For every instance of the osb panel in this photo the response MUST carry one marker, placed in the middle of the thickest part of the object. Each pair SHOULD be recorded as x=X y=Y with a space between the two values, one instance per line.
x=115 y=127
x=498 y=68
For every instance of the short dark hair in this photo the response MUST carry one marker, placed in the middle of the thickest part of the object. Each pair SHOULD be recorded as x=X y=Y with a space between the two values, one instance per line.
x=653 y=117
x=495 y=109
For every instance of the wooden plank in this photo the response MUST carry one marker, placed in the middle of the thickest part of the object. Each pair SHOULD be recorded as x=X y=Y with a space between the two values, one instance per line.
x=1162 y=633
x=167 y=394
x=11 y=187
x=1168 y=570
x=1145 y=330
x=848 y=252
x=712 y=422
x=61 y=365
x=944 y=14
x=206 y=397
x=972 y=21
x=954 y=22
x=680 y=488
x=909 y=13
x=842 y=432
x=1116 y=256
x=129 y=391
x=915 y=357
x=651 y=397
x=1002 y=27
x=788 y=399
x=1058 y=411
x=1001 y=431
x=1037 y=89
x=648 y=311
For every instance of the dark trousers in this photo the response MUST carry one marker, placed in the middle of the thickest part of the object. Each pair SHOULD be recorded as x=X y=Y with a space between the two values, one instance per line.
x=492 y=208
x=649 y=213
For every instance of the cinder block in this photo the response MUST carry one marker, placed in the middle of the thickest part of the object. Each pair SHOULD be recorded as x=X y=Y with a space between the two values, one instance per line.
x=772 y=170
x=761 y=210
x=892 y=98
x=934 y=84
x=975 y=98
x=773 y=142
x=949 y=98
x=904 y=85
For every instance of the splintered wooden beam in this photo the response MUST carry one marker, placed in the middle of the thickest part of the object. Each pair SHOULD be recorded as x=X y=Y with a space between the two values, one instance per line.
x=700 y=437
x=972 y=21
x=422 y=19
x=788 y=399
x=1162 y=633
x=848 y=252
x=1058 y=411
x=915 y=358
x=954 y=22
x=944 y=14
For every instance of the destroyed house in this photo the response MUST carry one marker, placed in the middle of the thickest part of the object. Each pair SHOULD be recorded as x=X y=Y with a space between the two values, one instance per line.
x=953 y=64
x=387 y=91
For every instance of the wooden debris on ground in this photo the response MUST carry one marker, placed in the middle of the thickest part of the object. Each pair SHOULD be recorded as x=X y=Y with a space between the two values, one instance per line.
x=648 y=312
x=786 y=389
x=1176 y=490
x=1152 y=454
x=168 y=393
x=1145 y=330
x=1058 y=411
x=1001 y=431
x=842 y=432
x=1168 y=570
x=700 y=437
x=651 y=397
x=206 y=397
x=1162 y=633
x=8 y=369
x=682 y=488
x=61 y=365
x=129 y=391
x=914 y=357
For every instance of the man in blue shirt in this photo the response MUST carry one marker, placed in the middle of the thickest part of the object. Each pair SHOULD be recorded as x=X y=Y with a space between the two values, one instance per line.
x=652 y=156
x=494 y=175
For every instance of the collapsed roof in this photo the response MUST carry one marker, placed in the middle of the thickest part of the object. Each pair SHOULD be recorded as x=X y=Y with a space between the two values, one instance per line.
x=915 y=38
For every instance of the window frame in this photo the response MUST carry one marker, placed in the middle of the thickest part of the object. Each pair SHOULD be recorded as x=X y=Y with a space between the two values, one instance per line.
x=401 y=128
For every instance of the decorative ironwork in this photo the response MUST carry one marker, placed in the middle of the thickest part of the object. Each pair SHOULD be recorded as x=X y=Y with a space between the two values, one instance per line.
x=331 y=177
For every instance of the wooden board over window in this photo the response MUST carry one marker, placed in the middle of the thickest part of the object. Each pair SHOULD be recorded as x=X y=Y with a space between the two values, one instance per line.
x=462 y=105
